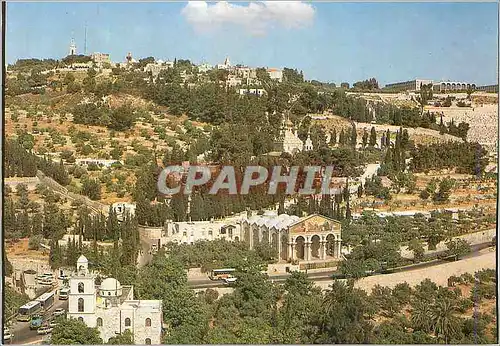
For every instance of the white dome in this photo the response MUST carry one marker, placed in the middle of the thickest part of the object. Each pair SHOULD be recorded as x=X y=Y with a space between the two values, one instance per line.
x=110 y=284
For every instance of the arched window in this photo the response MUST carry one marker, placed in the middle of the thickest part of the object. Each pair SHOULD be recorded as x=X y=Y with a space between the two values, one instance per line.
x=148 y=322
x=80 y=304
x=99 y=322
x=148 y=341
x=80 y=319
x=80 y=287
x=127 y=322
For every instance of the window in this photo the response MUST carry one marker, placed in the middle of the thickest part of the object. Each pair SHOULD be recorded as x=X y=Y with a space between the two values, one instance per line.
x=223 y=231
x=127 y=322
x=148 y=322
x=99 y=322
x=80 y=319
x=148 y=341
x=184 y=233
x=80 y=287
x=109 y=293
x=210 y=233
x=80 y=304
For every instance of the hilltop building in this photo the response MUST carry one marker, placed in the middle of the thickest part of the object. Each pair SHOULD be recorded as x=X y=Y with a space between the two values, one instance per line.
x=275 y=74
x=100 y=58
x=112 y=309
x=225 y=66
x=72 y=47
x=437 y=86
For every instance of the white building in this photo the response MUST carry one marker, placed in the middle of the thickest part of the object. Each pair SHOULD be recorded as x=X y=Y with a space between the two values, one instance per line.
x=275 y=74
x=204 y=68
x=233 y=81
x=101 y=58
x=225 y=66
x=156 y=67
x=259 y=92
x=112 y=309
x=122 y=208
x=98 y=162
x=190 y=232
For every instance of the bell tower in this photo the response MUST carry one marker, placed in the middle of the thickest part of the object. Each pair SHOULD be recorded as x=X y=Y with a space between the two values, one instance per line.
x=82 y=295
x=72 y=47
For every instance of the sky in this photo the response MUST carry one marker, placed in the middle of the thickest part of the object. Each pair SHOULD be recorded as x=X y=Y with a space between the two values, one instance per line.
x=330 y=42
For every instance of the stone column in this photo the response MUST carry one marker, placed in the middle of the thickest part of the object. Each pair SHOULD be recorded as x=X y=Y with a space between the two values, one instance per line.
x=307 y=251
x=290 y=255
x=250 y=232
x=337 y=243
x=279 y=247
x=323 y=249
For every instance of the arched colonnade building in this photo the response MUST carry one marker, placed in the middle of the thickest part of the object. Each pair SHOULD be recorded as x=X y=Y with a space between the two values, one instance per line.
x=311 y=238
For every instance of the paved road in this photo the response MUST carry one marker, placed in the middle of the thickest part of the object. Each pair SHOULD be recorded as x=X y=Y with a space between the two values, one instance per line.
x=327 y=275
x=22 y=332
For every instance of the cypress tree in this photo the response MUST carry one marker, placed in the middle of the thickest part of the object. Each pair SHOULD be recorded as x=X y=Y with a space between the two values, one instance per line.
x=373 y=137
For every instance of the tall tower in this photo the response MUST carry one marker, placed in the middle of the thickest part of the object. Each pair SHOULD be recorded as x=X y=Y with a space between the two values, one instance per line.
x=72 y=47
x=85 y=42
x=82 y=295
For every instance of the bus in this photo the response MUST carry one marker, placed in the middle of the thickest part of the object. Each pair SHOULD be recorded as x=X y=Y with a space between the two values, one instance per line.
x=28 y=310
x=63 y=293
x=221 y=274
x=47 y=300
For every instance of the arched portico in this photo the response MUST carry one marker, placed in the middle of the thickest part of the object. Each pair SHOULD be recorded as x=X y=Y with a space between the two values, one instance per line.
x=299 y=247
x=316 y=247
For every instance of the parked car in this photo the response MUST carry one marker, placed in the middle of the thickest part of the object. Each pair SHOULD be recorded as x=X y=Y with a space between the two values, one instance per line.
x=7 y=334
x=44 y=330
x=59 y=312
x=53 y=323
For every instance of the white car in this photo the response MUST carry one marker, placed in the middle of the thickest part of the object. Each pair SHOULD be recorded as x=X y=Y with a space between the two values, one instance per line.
x=7 y=335
x=44 y=330
x=229 y=280
x=53 y=323
x=59 y=312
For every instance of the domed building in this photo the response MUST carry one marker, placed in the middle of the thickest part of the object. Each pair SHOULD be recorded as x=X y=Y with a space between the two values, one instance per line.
x=288 y=140
x=111 y=307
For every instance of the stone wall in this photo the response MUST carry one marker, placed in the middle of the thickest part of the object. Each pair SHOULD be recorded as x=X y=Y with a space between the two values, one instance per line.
x=438 y=274
x=471 y=238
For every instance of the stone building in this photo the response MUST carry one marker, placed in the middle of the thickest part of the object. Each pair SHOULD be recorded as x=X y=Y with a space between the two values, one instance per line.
x=191 y=231
x=288 y=141
x=311 y=238
x=112 y=309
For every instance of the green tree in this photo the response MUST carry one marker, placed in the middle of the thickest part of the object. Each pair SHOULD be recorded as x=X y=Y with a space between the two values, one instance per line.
x=421 y=314
x=72 y=331
x=125 y=338
x=443 y=320
x=373 y=137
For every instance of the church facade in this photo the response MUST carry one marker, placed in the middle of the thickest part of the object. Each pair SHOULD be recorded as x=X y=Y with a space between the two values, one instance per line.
x=311 y=238
x=112 y=309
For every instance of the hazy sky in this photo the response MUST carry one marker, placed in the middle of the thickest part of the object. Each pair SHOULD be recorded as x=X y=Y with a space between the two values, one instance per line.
x=329 y=41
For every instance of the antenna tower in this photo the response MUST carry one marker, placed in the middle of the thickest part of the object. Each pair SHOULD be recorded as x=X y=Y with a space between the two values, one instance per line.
x=85 y=42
